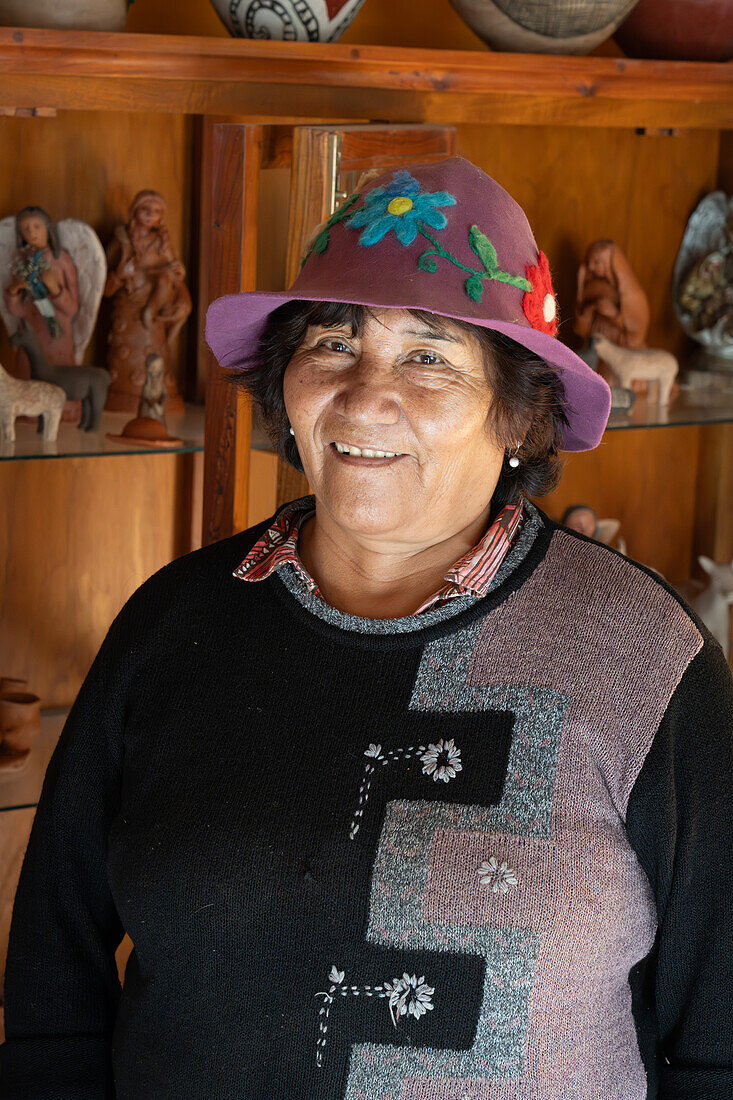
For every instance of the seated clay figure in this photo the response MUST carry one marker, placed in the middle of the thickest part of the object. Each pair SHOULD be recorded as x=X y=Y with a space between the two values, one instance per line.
x=610 y=301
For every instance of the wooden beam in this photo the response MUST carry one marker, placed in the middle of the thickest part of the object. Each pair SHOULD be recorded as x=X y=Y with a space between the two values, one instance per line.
x=277 y=81
x=230 y=166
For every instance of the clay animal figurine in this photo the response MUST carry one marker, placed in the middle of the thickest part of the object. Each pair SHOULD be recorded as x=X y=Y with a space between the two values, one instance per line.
x=713 y=602
x=21 y=397
x=610 y=300
x=52 y=275
x=87 y=384
x=621 y=398
x=150 y=302
x=643 y=364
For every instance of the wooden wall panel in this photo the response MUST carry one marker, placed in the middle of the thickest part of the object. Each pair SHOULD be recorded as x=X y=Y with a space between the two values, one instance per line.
x=647 y=480
x=77 y=536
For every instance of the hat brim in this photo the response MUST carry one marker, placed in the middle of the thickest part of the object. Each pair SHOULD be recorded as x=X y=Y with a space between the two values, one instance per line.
x=235 y=323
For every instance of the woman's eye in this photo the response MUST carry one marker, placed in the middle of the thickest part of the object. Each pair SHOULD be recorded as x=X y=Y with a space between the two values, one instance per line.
x=424 y=356
x=334 y=345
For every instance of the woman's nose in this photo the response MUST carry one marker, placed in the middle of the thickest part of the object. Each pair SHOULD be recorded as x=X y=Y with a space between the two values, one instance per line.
x=369 y=393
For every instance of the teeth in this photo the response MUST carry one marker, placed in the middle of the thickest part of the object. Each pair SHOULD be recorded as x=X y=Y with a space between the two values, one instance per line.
x=364 y=452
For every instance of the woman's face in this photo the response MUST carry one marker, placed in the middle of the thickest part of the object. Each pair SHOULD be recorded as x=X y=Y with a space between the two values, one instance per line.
x=396 y=388
x=33 y=231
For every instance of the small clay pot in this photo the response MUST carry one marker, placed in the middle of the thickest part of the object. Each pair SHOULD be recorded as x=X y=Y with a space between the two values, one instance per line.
x=10 y=684
x=20 y=721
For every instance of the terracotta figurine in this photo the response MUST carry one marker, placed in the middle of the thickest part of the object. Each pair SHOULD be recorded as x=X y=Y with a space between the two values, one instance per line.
x=148 y=427
x=150 y=302
x=610 y=300
x=583 y=518
x=52 y=276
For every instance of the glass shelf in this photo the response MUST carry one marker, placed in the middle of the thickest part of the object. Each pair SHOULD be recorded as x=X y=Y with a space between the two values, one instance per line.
x=22 y=789
x=187 y=426
x=691 y=406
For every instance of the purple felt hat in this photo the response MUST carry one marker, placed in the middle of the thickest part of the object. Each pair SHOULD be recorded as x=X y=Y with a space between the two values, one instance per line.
x=443 y=237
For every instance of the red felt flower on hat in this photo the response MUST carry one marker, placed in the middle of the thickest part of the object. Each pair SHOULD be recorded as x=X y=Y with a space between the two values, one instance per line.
x=539 y=303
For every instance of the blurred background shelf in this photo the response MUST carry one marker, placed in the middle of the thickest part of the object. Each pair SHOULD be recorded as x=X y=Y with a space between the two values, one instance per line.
x=688 y=408
x=187 y=426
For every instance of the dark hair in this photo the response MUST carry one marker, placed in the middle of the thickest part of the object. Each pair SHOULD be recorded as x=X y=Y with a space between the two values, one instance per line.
x=528 y=396
x=38 y=212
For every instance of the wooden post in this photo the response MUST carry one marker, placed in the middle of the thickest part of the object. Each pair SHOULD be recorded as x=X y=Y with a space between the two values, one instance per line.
x=231 y=156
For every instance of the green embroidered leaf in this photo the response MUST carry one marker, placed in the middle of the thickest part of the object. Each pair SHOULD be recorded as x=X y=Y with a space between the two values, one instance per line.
x=484 y=249
x=474 y=287
x=321 y=242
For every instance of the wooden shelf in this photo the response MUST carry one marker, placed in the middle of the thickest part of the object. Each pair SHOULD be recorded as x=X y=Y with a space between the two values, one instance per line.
x=293 y=81
x=73 y=443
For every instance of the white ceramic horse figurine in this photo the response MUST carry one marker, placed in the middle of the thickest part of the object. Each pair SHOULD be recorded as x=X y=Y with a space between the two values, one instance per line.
x=25 y=397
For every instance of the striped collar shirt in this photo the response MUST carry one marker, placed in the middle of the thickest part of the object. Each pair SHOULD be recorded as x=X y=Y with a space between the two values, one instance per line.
x=470 y=575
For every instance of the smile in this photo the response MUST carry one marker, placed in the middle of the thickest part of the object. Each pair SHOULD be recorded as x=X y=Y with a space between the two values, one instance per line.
x=364 y=452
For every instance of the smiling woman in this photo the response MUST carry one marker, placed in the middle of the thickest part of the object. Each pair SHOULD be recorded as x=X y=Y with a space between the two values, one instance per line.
x=466 y=785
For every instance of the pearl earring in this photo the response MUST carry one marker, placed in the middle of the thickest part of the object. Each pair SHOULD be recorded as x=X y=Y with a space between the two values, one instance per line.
x=292 y=432
x=514 y=461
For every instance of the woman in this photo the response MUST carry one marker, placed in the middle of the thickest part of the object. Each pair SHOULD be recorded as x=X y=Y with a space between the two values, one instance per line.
x=407 y=791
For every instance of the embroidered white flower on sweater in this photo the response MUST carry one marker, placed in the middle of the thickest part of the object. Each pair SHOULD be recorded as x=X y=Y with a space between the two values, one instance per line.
x=409 y=994
x=499 y=876
x=375 y=751
x=442 y=761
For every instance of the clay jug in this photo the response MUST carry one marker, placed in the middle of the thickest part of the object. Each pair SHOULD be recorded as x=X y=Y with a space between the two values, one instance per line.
x=20 y=721
x=78 y=15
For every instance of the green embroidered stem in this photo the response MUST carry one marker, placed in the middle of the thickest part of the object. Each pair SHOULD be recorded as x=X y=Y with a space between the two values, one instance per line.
x=321 y=242
x=485 y=251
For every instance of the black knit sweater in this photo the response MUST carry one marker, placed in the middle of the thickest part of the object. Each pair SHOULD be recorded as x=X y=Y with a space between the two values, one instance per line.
x=484 y=852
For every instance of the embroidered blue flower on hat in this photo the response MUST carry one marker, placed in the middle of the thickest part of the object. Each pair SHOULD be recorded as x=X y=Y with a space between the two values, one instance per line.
x=400 y=206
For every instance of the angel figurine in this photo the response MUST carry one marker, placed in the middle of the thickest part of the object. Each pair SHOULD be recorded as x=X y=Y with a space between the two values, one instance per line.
x=52 y=277
x=150 y=302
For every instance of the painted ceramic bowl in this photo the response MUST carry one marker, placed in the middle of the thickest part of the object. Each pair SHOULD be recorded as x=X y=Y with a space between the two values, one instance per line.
x=78 y=15
x=679 y=30
x=287 y=20
x=543 y=26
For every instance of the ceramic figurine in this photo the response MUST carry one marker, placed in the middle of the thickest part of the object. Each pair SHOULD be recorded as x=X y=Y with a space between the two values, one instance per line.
x=679 y=30
x=52 y=277
x=621 y=398
x=86 y=384
x=543 y=26
x=287 y=20
x=148 y=427
x=150 y=302
x=77 y=15
x=639 y=364
x=610 y=300
x=21 y=397
x=703 y=281
x=583 y=518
